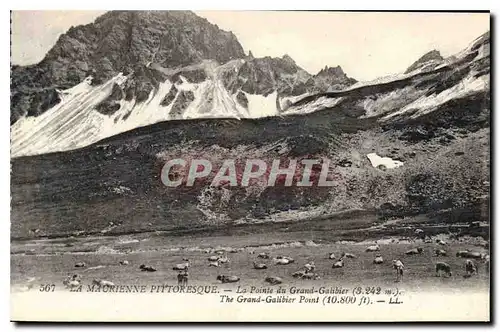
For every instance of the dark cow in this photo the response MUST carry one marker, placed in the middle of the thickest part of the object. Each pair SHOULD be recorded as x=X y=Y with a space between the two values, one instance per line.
x=399 y=267
x=182 y=278
x=147 y=268
x=273 y=280
x=443 y=267
x=227 y=279
x=415 y=251
x=469 y=254
x=470 y=268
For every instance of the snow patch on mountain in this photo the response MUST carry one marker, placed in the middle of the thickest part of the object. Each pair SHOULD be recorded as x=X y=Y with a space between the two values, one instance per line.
x=74 y=122
x=426 y=104
x=317 y=105
x=387 y=162
x=71 y=124
x=261 y=106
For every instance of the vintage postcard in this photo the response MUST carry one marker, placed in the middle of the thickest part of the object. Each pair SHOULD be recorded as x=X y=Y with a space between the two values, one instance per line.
x=258 y=166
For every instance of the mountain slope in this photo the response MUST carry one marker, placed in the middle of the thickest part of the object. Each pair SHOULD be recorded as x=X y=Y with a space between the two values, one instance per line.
x=413 y=94
x=435 y=123
x=131 y=69
x=120 y=41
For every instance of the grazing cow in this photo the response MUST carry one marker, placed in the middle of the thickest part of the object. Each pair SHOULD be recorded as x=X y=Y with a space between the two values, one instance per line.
x=273 y=280
x=213 y=264
x=263 y=255
x=213 y=258
x=441 y=242
x=469 y=254
x=223 y=260
x=80 y=264
x=470 y=268
x=147 y=268
x=182 y=278
x=183 y=266
x=310 y=276
x=415 y=251
x=420 y=234
x=309 y=267
x=373 y=248
x=124 y=262
x=378 y=260
x=443 y=267
x=288 y=258
x=440 y=252
x=475 y=224
x=399 y=267
x=102 y=283
x=487 y=263
x=298 y=274
x=72 y=281
x=338 y=264
x=227 y=279
x=305 y=275
x=347 y=255
x=332 y=256
x=281 y=261
x=259 y=266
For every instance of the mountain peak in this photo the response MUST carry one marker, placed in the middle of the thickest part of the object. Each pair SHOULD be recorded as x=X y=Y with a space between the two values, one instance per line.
x=332 y=71
x=288 y=58
x=121 y=42
x=433 y=56
x=332 y=78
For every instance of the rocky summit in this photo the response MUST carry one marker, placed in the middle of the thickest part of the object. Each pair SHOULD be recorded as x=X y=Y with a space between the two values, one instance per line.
x=130 y=69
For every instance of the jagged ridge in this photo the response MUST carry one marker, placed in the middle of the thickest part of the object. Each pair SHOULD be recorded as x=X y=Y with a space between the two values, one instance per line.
x=170 y=65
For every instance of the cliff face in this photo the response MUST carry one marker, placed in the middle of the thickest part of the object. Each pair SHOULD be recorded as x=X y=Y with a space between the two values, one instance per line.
x=131 y=69
x=120 y=42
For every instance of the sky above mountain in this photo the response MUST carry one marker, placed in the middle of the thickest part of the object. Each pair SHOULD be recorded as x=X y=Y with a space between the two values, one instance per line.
x=365 y=45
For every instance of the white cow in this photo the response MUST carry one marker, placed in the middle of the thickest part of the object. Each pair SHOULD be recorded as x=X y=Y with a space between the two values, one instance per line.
x=281 y=261
x=338 y=264
x=309 y=267
x=378 y=260
x=373 y=248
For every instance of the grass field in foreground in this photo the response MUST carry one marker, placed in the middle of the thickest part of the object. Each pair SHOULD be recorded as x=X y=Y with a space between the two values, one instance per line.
x=419 y=269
